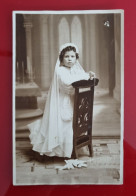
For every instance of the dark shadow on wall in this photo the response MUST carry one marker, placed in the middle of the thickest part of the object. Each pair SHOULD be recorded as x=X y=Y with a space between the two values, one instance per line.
x=20 y=47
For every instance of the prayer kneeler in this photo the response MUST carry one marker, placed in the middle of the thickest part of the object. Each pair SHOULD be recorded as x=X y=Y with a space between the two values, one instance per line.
x=83 y=114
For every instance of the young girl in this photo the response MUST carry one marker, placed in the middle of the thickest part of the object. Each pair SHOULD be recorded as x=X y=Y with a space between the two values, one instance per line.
x=53 y=134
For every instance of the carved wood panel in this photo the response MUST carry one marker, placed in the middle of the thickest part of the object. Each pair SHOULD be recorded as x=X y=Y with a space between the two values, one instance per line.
x=84 y=114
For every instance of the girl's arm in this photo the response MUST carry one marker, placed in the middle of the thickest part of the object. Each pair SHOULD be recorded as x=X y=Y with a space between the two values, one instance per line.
x=68 y=89
x=65 y=83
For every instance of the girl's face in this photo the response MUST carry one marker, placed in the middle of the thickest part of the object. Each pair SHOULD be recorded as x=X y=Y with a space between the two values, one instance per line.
x=69 y=59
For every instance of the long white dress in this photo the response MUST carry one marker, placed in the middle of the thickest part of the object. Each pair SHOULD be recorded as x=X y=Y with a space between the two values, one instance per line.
x=53 y=134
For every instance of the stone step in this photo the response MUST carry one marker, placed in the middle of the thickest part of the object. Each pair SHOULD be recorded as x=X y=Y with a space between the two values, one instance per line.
x=28 y=113
x=22 y=135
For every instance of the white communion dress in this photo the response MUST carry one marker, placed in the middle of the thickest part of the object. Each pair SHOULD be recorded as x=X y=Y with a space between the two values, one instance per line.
x=53 y=134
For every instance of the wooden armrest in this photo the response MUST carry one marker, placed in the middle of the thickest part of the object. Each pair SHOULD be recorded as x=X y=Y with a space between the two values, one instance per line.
x=85 y=83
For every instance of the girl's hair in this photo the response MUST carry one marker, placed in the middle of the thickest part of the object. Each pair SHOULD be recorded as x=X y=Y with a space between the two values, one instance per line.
x=68 y=48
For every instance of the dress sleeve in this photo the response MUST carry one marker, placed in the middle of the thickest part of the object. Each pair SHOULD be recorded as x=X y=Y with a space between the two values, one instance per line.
x=65 y=82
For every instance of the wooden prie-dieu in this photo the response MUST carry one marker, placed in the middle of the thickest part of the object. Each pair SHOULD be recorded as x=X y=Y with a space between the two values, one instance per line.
x=83 y=115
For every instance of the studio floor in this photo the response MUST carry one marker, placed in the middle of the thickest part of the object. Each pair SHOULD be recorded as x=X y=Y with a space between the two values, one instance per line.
x=102 y=168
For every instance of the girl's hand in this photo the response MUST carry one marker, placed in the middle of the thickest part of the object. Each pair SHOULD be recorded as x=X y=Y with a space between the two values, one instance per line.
x=92 y=75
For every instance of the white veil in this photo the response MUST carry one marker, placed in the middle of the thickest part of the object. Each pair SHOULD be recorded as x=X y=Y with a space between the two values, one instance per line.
x=45 y=133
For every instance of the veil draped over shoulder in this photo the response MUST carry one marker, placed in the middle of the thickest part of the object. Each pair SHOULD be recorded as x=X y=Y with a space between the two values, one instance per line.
x=46 y=134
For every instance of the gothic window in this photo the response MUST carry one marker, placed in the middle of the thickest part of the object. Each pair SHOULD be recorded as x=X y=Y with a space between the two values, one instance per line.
x=76 y=34
x=71 y=33
x=64 y=32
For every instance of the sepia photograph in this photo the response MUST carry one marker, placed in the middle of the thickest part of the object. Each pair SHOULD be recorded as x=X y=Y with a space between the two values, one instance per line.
x=68 y=97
